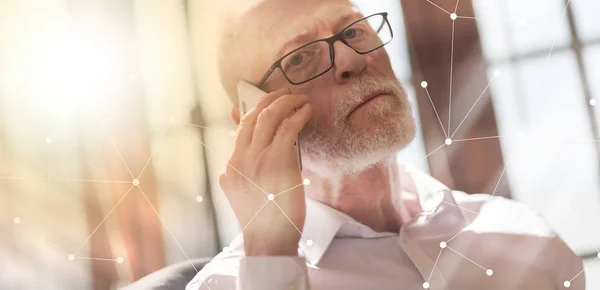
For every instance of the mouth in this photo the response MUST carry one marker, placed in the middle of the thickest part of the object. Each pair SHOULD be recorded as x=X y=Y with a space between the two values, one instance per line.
x=367 y=99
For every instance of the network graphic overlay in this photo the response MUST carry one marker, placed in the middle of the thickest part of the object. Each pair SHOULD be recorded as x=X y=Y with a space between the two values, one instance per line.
x=444 y=245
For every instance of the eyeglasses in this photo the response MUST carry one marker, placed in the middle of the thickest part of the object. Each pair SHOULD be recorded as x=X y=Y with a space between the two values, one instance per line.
x=314 y=59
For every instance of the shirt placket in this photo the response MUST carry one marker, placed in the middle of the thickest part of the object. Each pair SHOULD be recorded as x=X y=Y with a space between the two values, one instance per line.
x=421 y=228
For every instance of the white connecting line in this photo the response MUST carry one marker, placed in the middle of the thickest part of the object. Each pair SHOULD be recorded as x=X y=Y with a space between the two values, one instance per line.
x=496 y=74
x=451 y=74
x=424 y=85
x=71 y=257
x=567 y=283
x=112 y=141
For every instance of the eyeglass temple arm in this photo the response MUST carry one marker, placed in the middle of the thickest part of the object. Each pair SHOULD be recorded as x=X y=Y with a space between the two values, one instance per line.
x=266 y=76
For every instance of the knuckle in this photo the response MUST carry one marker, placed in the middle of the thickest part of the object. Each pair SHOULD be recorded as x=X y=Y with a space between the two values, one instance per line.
x=247 y=118
x=295 y=99
x=266 y=115
x=228 y=172
x=230 y=167
x=223 y=180
x=287 y=125
x=303 y=98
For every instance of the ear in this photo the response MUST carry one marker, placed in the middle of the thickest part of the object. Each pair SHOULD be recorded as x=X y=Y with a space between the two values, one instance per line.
x=235 y=116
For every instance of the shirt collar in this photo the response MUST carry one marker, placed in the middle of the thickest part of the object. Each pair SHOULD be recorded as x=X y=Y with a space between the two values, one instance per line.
x=323 y=223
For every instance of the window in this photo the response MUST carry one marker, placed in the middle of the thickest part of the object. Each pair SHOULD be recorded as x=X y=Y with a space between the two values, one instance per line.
x=549 y=55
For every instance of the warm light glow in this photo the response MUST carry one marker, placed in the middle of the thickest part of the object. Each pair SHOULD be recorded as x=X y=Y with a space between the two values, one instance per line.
x=80 y=69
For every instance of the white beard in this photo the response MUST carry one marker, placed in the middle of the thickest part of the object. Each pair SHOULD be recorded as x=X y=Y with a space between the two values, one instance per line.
x=350 y=150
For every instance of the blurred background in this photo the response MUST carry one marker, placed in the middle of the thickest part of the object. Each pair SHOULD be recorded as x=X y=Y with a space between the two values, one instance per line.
x=114 y=126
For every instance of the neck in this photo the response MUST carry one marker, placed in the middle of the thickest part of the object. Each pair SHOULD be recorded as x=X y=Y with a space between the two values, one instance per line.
x=368 y=196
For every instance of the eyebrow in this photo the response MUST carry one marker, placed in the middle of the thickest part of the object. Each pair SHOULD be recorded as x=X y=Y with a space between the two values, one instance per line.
x=306 y=37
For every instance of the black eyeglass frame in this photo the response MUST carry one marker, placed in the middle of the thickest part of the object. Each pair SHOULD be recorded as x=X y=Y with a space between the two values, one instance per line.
x=330 y=40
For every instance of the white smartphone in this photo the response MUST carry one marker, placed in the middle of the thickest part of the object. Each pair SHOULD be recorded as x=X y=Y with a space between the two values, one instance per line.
x=248 y=97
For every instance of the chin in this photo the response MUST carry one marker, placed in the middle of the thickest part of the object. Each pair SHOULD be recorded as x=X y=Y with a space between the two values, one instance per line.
x=390 y=122
x=354 y=150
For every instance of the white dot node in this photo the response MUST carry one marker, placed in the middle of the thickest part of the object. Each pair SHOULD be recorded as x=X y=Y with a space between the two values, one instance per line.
x=442 y=245
x=119 y=260
x=71 y=257
x=232 y=133
x=271 y=196
x=489 y=272
x=408 y=168
x=448 y=141
x=593 y=102
x=136 y=182
x=426 y=285
x=598 y=255
x=453 y=16
x=49 y=140
x=17 y=220
x=306 y=181
x=497 y=73
x=309 y=242
x=424 y=84
x=567 y=284
x=199 y=198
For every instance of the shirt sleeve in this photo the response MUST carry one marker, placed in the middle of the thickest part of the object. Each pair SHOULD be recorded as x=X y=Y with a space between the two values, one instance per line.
x=273 y=273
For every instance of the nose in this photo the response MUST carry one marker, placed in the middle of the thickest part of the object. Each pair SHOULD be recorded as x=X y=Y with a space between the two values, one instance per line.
x=348 y=63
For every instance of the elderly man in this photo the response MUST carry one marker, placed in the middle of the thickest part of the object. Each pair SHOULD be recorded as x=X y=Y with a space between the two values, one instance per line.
x=363 y=221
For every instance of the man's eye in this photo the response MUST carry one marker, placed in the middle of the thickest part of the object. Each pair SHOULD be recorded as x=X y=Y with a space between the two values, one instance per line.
x=352 y=33
x=296 y=60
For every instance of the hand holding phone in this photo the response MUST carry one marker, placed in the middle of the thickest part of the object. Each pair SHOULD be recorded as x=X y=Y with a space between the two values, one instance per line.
x=248 y=97
x=263 y=173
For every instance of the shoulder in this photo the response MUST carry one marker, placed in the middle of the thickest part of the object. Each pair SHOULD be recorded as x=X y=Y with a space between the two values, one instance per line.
x=499 y=214
x=516 y=235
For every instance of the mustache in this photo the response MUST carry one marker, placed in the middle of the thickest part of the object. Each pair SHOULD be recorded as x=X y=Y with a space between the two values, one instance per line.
x=364 y=86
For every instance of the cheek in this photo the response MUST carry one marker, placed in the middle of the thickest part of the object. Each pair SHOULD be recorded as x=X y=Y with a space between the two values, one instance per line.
x=379 y=60
x=321 y=107
x=319 y=92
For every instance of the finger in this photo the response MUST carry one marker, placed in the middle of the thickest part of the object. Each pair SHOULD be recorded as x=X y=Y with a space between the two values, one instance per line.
x=287 y=134
x=270 y=118
x=248 y=121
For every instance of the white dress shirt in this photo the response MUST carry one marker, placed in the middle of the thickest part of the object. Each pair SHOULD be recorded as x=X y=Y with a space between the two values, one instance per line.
x=452 y=241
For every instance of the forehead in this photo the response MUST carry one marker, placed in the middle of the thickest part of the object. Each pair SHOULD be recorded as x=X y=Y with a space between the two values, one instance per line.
x=269 y=24
x=281 y=19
